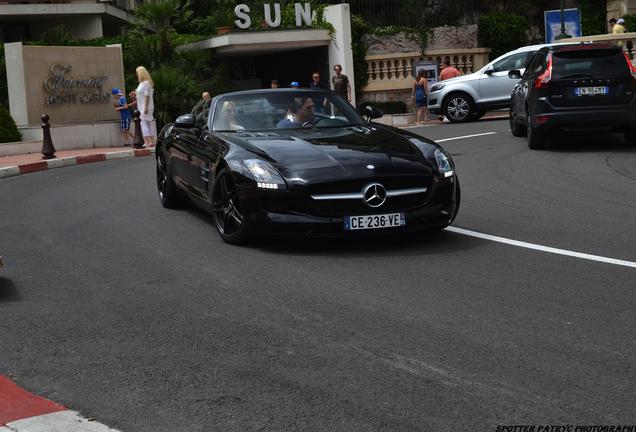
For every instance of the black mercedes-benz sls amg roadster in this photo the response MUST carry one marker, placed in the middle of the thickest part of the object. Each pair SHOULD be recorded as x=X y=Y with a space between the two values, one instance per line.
x=303 y=162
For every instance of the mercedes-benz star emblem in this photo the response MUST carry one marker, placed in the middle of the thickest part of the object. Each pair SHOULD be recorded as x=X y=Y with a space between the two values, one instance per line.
x=374 y=195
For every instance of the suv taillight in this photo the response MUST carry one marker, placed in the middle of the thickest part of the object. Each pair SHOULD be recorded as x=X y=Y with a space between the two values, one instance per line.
x=632 y=69
x=542 y=80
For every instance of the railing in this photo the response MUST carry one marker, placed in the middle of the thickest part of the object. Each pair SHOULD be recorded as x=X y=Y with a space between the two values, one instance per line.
x=627 y=39
x=395 y=71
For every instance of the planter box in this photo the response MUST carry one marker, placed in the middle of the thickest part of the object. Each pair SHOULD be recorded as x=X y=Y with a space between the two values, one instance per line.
x=397 y=119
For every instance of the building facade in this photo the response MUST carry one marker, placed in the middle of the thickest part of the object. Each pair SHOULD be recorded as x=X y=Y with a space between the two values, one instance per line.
x=29 y=19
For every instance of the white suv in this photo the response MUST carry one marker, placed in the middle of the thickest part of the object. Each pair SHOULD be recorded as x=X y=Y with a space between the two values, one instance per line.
x=468 y=97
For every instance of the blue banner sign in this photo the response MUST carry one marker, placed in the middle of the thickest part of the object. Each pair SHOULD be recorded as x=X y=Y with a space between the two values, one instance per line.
x=552 y=19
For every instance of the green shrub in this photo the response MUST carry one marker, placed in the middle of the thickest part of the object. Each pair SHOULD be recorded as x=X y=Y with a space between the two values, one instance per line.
x=593 y=17
x=392 y=107
x=175 y=93
x=359 y=27
x=502 y=32
x=8 y=130
x=630 y=22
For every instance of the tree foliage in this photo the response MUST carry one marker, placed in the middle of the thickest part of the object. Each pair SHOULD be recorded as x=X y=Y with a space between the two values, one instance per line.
x=502 y=32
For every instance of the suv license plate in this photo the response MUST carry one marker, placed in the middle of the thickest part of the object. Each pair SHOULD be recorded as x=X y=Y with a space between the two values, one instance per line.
x=391 y=220
x=591 y=91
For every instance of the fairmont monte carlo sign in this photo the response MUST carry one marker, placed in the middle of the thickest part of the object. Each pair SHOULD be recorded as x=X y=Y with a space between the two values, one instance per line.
x=303 y=14
x=62 y=88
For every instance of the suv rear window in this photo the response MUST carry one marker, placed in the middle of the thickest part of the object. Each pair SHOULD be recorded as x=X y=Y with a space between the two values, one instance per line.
x=589 y=63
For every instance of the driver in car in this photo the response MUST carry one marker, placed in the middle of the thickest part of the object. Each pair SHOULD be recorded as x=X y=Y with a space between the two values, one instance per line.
x=303 y=116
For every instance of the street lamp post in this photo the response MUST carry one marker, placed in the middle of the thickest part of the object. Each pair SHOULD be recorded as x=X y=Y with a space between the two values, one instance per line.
x=563 y=34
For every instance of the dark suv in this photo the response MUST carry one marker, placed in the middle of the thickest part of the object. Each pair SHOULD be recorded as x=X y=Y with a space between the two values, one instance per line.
x=578 y=87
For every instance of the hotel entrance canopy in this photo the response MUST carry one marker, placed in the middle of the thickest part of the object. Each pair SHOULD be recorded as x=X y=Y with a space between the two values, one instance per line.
x=261 y=42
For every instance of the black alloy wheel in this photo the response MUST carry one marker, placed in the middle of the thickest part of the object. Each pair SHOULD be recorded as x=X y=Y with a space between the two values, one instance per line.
x=517 y=129
x=536 y=140
x=168 y=193
x=227 y=210
x=459 y=107
x=630 y=137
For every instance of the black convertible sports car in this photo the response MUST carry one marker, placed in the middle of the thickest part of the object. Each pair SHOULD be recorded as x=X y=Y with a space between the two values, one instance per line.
x=303 y=162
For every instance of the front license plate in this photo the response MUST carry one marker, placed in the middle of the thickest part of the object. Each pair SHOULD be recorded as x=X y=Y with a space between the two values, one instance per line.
x=374 y=221
x=591 y=91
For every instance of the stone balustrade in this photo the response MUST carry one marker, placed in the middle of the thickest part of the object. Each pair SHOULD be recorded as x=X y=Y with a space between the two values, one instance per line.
x=608 y=38
x=389 y=72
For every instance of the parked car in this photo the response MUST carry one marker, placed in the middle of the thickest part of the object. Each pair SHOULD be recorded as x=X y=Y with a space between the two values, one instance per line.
x=580 y=87
x=303 y=162
x=468 y=97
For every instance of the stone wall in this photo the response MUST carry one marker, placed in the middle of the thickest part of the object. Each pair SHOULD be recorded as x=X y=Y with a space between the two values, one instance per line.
x=447 y=37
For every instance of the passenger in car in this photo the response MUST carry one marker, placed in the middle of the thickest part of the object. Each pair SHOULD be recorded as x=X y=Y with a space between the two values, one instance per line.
x=228 y=121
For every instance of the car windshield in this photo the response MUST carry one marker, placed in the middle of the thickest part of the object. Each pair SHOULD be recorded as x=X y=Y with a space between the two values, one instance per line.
x=281 y=109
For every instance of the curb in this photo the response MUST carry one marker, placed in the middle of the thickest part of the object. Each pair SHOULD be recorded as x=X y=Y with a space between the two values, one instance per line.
x=438 y=122
x=21 y=411
x=31 y=167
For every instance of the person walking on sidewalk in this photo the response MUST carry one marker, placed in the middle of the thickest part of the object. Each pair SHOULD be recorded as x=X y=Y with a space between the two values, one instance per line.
x=420 y=92
x=318 y=84
x=448 y=71
x=146 y=106
x=619 y=28
x=341 y=84
x=122 y=107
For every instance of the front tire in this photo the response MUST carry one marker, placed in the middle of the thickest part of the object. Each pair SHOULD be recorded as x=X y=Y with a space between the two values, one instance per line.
x=168 y=192
x=459 y=107
x=630 y=137
x=536 y=139
x=227 y=211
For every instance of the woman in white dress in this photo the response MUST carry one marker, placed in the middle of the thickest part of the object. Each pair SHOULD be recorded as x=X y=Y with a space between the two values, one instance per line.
x=146 y=106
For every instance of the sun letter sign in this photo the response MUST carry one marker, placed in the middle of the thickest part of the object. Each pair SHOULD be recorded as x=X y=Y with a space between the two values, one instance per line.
x=242 y=12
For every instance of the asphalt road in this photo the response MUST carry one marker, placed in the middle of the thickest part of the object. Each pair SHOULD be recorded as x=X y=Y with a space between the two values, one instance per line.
x=143 y=319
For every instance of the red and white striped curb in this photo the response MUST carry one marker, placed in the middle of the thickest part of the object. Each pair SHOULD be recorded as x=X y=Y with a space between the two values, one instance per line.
x=44 y=165
x=21 y=411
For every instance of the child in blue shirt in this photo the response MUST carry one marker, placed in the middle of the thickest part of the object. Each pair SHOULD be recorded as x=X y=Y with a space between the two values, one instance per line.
x=121 y=105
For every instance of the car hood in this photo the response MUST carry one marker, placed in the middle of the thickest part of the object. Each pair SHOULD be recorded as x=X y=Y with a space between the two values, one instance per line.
x=463 y=78
x=350 y=151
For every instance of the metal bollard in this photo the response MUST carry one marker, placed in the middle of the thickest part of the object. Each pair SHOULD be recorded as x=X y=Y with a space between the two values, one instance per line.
x=47 y=144
x=138 y=140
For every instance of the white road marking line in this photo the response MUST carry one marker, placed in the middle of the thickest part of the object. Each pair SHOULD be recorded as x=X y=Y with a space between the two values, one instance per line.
x=542 y=248
x=63 y=421
x=465 y=136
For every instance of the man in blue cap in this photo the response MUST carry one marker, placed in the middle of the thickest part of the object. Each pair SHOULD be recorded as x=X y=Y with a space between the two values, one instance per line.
x=295 y=84
x=121 y=105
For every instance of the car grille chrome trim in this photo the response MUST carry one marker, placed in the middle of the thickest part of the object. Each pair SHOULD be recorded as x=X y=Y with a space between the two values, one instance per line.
x=348 y=196
x=400 y=192
x=351 y=196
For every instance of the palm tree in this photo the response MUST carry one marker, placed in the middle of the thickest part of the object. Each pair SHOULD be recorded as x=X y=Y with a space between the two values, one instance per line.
x=160 y=17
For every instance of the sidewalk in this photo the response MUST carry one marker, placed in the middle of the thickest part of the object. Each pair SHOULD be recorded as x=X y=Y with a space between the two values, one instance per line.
x=22 y=164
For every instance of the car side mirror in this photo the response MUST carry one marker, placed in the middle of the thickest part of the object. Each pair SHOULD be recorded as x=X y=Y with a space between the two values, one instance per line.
x=371 y=112
x=186 y=121
x=489 y=70
x=514 y=74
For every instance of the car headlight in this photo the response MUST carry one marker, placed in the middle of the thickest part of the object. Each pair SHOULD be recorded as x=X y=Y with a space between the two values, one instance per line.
x=437 y=87
x=264 y=174
x=444 y=164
